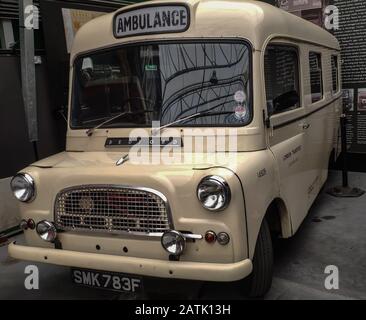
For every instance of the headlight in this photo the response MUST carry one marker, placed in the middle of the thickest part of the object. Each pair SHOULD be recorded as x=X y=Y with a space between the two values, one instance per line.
x=23 y=187
x=47 y=231
x=173 y=242
x=214 y=193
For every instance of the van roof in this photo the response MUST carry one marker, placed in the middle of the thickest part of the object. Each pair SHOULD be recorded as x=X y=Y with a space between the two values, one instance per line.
x=253 y=20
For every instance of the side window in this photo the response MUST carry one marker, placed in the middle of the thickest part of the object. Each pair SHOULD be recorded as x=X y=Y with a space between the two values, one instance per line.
x=316 y=76
x=281 y=67
x=335 y=74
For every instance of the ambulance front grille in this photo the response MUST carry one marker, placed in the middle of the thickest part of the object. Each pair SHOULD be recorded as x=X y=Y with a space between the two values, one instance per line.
x=112 y=209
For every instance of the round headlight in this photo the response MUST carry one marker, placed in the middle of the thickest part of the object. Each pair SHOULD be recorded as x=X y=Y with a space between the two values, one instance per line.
x=47 y=231
x=214 y=193
x=23 y=187
x=173 y=242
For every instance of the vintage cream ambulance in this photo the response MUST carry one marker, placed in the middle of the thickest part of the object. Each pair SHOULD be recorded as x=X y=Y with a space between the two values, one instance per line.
x=167 y=77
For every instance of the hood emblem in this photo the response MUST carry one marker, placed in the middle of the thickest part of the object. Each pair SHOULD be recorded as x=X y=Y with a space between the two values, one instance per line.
x=86 y=203
x=122 y=160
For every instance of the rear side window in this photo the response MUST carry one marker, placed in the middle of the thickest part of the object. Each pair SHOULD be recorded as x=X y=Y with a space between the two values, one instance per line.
x=335 y=74
x=316 y=76
x=281 y=67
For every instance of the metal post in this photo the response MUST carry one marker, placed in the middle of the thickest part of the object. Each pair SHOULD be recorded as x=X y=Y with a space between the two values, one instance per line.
x=28 y=68
x=345 y=191
x=344 y=150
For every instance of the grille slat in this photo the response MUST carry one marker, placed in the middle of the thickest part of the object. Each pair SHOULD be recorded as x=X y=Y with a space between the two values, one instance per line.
x=111 y=209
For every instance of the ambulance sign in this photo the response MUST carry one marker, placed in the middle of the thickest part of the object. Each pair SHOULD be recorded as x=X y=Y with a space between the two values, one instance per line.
x=150 y=20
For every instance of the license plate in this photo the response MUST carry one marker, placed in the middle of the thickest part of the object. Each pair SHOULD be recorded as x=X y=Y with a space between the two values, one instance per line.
x=106 y=280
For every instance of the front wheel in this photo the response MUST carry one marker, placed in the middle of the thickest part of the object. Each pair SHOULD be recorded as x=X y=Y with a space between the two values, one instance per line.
x=260 y=281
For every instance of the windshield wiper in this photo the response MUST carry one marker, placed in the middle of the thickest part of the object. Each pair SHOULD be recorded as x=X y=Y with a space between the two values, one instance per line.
x=90 y=131
x=155 y=131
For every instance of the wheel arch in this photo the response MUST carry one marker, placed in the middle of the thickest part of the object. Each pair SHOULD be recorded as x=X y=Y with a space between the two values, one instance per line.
x=279 y=219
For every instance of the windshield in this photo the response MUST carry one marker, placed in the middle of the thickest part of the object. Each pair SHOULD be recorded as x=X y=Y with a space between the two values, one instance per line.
x=163 y=82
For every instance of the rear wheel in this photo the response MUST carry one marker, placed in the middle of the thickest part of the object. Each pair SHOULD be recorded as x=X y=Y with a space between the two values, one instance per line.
x=260 y=281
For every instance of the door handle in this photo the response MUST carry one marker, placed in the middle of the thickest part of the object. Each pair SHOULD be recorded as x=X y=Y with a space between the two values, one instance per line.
x=305 y=126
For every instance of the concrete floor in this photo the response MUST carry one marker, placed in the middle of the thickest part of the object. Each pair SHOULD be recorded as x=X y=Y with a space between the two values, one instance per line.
x=332 y=234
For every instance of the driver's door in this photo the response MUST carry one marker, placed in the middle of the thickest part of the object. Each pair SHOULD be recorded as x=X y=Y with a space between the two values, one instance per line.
x=287 y=131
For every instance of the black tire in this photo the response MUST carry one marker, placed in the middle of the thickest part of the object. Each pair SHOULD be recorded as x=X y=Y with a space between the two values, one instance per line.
x=260 y=281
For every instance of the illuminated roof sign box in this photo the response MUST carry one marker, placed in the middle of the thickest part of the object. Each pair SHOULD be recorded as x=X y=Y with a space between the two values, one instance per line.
x=151 y=20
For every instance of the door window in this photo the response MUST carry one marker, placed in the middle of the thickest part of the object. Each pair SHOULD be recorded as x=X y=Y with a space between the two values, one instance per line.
x=281 y=67
x=316 y=76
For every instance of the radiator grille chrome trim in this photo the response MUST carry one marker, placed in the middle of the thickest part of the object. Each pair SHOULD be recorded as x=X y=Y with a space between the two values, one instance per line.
x=112 y=209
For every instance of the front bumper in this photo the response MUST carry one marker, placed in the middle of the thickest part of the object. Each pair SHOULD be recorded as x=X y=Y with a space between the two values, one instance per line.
x=139 y=266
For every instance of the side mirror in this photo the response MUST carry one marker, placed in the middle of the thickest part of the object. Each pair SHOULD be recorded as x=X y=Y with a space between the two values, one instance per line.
x=286 y=101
